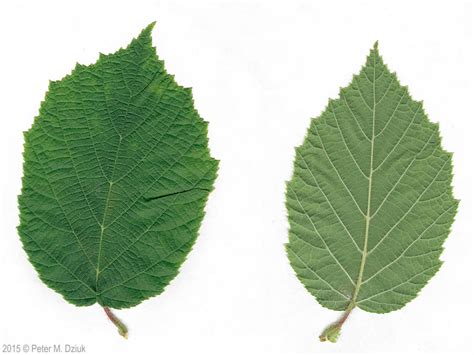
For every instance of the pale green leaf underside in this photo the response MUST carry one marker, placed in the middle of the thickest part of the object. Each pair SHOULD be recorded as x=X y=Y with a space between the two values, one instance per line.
x=116 y=175
x=370 y=201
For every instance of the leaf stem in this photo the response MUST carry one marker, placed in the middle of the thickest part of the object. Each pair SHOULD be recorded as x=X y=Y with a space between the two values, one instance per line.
x=122 y=328
x=331 y=333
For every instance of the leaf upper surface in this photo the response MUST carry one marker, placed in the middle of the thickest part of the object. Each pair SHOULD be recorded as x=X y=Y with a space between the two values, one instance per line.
x=117 y=172
x=370 y=202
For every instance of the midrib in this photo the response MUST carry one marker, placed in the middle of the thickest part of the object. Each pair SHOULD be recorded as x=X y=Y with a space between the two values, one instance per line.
x=102 y=230
x=102 y=225
x=368 y=217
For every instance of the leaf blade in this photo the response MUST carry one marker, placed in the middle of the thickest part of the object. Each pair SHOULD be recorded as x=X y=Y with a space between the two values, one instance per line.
x=117 y=172
x=370 y=200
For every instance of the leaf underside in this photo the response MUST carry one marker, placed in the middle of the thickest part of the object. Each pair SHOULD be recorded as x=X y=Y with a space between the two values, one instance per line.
x=370 y=202
x=117 y=172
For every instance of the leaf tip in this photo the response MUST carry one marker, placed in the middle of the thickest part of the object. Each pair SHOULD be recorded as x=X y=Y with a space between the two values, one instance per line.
x=145 y=34
x=148 y=29
x=375 y=50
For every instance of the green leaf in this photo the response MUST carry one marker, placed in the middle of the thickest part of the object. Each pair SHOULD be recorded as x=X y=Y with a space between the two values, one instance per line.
x=370 y=202
x=117 y=172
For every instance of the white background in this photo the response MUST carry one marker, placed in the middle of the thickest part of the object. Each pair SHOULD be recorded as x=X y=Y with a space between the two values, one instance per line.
x=259 y=72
